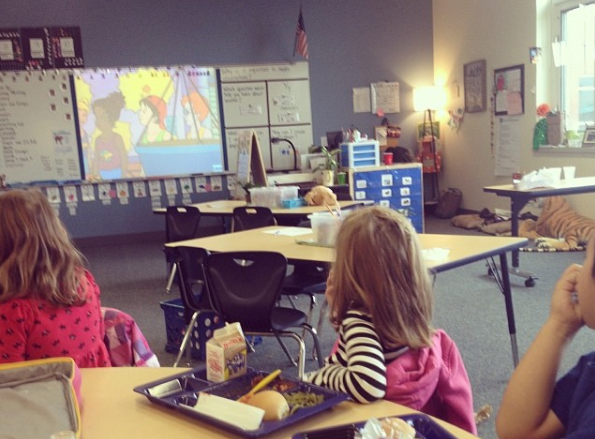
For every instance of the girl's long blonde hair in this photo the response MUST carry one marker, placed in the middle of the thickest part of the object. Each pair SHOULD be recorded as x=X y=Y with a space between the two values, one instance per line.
x=37 y=257
x=379 y=269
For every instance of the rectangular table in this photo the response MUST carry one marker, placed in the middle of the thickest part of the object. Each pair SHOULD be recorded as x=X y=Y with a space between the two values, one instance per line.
x=226 y=207
x=111 y=409
x=462 y=250
x=520 y=197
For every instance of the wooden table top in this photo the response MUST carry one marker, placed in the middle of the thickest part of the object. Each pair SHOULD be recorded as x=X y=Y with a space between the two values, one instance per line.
x=462 y=249
x=111 y=409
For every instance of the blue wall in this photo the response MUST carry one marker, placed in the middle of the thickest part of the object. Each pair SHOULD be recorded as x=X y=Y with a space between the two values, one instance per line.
x=352 y=43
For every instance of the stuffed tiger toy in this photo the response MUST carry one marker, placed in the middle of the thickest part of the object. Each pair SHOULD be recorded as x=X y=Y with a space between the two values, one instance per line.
x=558 y=228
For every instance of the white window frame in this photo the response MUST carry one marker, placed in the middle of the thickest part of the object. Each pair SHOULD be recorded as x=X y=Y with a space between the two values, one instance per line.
x=560 y=6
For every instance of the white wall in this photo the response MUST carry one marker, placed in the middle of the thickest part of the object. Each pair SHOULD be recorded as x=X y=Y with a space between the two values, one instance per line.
x=501 y=32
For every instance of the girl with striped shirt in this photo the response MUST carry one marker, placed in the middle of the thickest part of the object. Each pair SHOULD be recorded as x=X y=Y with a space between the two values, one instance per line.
x=381 y=300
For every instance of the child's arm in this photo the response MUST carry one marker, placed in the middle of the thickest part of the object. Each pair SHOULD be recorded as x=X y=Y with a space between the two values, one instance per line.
x=357 y=368
x=525 y=409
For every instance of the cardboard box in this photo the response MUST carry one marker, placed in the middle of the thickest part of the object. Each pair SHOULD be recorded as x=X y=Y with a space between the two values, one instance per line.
x=226 y=353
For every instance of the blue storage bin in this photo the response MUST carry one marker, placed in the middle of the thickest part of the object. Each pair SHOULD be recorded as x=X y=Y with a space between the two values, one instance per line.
x=206 y=323
x=175 y=328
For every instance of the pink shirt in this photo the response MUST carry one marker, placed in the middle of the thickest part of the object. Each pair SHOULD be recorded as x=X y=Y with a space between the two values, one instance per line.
x=32 y=329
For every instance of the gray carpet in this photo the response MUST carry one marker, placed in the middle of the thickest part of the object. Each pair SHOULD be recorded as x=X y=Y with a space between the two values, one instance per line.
x=468 y=306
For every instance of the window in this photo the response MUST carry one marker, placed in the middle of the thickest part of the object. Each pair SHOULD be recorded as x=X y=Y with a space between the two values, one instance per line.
x=574 y=54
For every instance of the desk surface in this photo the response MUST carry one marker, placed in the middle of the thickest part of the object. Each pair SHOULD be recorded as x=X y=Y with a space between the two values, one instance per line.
x=112 y=410
x=565 y=187
x=462 y=249
x=225 y=208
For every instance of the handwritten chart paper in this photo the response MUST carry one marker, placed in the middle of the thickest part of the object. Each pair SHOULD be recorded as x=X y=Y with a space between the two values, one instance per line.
x=37 y=128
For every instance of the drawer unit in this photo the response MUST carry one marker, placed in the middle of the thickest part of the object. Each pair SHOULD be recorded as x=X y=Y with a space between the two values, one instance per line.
x=396 y=186
x=357 y=154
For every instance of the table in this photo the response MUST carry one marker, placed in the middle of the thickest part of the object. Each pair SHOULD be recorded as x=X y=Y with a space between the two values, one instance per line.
x=520 y=197
x=224 y=208
x=463 y=250
x=111 y=409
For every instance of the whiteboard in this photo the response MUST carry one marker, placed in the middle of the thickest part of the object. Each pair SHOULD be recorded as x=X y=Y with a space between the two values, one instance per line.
x=274 y=101
x=37 y=128
x=289 y=102
x=245 y=104
x=232 y=137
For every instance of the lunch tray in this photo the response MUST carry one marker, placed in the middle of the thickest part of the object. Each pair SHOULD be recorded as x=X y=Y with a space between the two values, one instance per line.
x=425 y=427
x=181 y=390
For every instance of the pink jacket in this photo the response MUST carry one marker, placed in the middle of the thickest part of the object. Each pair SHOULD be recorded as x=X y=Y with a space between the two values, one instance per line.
x=434 y=381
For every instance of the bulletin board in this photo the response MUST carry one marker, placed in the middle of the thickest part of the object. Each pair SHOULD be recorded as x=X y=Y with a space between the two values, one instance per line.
x=274 y=101
x=38 y=132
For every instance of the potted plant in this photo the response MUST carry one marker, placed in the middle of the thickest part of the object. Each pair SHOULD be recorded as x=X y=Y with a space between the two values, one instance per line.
x=327 y=170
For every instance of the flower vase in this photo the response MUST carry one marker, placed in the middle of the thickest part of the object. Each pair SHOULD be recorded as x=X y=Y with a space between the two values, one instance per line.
x=540 y=134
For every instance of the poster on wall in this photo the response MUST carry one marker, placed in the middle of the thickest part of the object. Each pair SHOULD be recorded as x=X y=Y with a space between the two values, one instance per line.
x=11 y=51
x=475 y=86
x=509 y=88
x=67 y=47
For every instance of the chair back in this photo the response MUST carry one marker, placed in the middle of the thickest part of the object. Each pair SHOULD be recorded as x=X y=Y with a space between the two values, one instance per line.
x=193 y=288
x=251 y=217
x=181 y=223
x=244 y=286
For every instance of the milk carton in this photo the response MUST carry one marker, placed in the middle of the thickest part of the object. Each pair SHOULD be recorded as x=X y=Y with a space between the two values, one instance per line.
x=226 y=353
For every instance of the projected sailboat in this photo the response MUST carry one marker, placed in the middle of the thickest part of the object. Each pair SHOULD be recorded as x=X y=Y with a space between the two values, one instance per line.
x=181 y=128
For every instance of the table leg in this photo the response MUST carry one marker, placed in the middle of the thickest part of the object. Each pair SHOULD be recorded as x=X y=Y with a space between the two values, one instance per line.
x=507 y=292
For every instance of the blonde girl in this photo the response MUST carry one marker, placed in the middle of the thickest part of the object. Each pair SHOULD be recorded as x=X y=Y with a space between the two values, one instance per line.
x=381 y=301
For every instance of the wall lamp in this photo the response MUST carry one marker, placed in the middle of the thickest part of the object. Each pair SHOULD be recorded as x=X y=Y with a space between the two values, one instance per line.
x=278 y=139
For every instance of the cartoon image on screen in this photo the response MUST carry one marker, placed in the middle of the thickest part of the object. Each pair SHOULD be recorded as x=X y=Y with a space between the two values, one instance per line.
x=149 y=122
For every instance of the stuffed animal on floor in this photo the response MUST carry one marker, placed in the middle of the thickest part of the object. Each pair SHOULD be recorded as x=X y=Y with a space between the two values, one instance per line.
x=319 y=196
x=559 y=228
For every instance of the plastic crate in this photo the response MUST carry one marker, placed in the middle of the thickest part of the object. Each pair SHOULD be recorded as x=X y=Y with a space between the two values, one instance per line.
x=175 y=328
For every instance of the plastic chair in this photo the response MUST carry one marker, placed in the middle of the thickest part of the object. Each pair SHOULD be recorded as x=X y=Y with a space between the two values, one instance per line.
x=189 y=262
x=251 y=217
x=181 y=223
x=245 y=287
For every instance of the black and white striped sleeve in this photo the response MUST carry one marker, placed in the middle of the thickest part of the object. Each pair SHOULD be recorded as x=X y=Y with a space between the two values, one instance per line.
x=358 y=367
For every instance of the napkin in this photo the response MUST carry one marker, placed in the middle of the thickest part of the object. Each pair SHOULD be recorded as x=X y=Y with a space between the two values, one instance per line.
x=435 y=254
x=238 y=414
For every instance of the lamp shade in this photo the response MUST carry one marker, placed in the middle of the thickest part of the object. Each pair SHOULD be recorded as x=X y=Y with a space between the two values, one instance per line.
x=428 y=98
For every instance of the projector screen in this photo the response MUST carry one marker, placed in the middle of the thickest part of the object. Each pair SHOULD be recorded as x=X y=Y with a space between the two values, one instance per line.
x=148 y=122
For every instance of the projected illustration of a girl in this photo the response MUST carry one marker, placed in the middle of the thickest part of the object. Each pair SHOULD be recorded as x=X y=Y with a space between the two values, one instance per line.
x=152 y=112
x=196 y=111
x=111 y=159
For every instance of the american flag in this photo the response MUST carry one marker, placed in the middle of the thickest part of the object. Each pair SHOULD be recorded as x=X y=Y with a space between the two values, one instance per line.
x=301 y=40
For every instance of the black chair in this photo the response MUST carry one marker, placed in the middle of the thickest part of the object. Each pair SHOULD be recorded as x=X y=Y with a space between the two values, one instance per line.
x=251 y=217
x=245 y=286
x=195 y=299
x=181 y=223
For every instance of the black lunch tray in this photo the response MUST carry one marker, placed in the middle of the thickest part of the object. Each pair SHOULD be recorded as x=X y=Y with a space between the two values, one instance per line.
x=176 y=391
x=425 y=427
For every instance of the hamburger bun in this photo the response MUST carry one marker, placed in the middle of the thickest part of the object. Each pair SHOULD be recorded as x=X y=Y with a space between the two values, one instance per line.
x=274 y=404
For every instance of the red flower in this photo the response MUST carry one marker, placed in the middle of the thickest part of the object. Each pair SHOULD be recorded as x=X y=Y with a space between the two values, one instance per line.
x=543 y=110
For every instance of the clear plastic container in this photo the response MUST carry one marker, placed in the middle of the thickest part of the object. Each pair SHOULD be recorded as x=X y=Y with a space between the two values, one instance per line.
x=325 y=227
x=272 y=197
